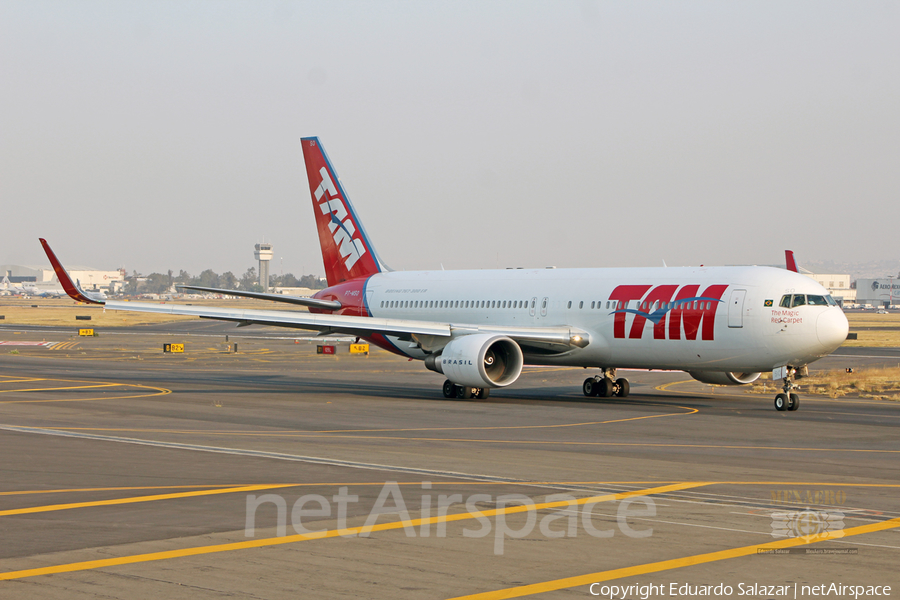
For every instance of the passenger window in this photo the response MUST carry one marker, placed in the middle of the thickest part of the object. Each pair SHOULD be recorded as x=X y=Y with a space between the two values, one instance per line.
x=816 y=301
x=570 y=304
x=799 y=300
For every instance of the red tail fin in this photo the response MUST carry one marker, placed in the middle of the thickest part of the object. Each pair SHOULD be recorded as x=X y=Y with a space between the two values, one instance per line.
x=346 y=250
x=790 y=262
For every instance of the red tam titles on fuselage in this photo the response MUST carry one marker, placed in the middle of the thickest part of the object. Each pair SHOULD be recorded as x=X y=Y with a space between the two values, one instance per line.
x=662 y=306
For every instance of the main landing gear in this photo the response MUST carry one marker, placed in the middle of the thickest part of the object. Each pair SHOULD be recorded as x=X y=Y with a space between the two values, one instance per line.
x=604 y=386
x=788 y=400
x=464 y=392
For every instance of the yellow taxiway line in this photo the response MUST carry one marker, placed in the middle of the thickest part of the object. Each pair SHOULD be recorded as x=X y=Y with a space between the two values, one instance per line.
x=676 y=563
x=332 y=533
x=134 y=499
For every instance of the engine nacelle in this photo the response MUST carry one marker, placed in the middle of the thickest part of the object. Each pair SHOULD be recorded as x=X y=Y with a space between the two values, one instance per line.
x=724 y=377
x=479 y=360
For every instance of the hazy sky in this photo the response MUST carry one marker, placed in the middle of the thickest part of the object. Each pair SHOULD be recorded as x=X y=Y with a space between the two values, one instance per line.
x=158 y=135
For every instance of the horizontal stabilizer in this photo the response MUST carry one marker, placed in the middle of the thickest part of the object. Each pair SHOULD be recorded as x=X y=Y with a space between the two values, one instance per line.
x=308 y=302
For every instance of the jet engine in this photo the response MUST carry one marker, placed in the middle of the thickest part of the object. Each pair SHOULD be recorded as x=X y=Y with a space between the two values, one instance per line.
x=724 y=377
x=479 y=360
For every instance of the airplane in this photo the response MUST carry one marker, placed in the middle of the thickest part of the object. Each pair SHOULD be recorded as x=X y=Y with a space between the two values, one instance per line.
x=479 y=328
x=6 y=290
x=11 y=289
x=35 y=291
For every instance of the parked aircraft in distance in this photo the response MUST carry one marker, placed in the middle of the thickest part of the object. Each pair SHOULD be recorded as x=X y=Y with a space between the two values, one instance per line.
x=7 y=288
x=722 y=325
x=37 y=292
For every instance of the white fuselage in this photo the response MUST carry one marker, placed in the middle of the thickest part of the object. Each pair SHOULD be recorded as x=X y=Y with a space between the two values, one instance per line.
x=745 y=329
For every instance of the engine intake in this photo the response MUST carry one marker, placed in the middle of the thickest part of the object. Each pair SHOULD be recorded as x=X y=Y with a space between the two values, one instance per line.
x=724 y=377
x=479 y=360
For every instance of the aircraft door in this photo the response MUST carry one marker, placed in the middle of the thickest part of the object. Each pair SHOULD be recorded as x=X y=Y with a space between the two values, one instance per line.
x=736 y=308
x=533 y=304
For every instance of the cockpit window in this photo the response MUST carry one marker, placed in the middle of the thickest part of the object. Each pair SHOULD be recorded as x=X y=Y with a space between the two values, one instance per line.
x=795 y=300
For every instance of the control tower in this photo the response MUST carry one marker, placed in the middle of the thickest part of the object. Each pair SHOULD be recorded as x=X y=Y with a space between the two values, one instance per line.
x=263 y=254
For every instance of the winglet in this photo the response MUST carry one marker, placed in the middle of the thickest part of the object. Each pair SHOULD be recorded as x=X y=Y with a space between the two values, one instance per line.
x=72 y=289
x=789 y=260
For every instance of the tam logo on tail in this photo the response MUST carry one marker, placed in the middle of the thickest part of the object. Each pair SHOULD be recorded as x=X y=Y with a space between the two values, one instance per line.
x=342 y=230
x=346 y=252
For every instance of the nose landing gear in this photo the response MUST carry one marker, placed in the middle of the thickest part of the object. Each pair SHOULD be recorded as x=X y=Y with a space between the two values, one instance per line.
x=788 y=400
x=605 y=387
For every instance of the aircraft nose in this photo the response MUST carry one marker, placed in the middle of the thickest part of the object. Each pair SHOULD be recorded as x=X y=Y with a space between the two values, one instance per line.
x=832 y=328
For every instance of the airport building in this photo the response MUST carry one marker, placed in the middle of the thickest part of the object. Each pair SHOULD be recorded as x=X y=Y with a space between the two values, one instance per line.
x=44 y=278
x=878 y=292
x=837 y=284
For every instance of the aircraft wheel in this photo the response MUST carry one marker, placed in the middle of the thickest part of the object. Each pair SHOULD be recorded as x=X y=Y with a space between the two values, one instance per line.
x=449 y=389
x=781 y=402
x=793 y=402
x=605 y=388
x=464 y=392
x=622 y=388
x=483 y=393
x=590 y=387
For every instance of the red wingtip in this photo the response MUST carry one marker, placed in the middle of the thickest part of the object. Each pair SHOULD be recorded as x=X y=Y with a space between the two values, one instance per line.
x=64 y=279
x=790 y=262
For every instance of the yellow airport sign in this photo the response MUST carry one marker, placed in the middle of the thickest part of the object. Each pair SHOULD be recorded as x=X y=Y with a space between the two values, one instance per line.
x=173 y=347
x=87 y=332
x=359 y=348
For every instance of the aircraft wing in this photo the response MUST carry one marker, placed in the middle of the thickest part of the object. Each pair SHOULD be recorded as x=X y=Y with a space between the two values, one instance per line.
x=430 y=334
